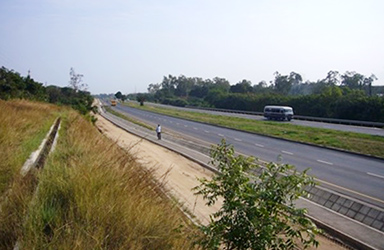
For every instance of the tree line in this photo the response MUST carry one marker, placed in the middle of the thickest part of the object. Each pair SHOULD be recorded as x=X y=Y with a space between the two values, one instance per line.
x=15 y=86
x=343 y=96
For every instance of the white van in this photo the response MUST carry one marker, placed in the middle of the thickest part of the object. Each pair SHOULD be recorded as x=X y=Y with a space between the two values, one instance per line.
x=278 y=113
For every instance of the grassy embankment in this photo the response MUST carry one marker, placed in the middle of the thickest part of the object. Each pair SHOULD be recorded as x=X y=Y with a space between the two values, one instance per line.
x=91 y=195
x=355 y=142
x=23 y=125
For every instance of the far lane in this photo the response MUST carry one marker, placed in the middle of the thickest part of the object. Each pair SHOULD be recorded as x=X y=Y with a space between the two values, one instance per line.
x=340 y=127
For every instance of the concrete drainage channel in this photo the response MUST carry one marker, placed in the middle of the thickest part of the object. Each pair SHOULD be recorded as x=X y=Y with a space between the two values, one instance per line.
x=365 y=215
x=37 y=158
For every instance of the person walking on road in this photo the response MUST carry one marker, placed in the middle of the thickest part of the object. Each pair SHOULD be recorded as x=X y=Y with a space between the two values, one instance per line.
x=158 y=131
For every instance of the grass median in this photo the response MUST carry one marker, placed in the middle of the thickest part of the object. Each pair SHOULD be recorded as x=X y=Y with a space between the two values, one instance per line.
x=127 y=118
x=349 y=141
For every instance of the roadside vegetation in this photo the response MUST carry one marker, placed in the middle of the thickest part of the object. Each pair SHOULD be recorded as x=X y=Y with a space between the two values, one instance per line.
x=348 y=95
x=23 y=125
x=258 y=210
x=91 y=195
x=15 y=86
x=354 y=142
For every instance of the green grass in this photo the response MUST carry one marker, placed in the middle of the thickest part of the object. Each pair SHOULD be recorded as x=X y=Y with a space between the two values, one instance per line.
x=127 y=118
x=23 y=125
x=354 y=142
x=91 y=195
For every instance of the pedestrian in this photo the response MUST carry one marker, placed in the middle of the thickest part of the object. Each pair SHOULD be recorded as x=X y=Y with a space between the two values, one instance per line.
x=158 y=131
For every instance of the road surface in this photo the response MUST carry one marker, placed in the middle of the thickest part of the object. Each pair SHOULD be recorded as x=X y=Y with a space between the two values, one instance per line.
x=357 y=176
x=340 y=127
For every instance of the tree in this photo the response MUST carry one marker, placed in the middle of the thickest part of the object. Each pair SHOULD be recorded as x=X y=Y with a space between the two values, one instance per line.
x=258 y=211
x=368 y=82
x=75 y=81
x=282 y=84
x=333 y=78
x=244 y=86
x=221 y=83
x=153 y=88
x=118 y=95
x=295 y=78
x=183 y=86
x=261 y=87
x=353 y=80
x=140 y=98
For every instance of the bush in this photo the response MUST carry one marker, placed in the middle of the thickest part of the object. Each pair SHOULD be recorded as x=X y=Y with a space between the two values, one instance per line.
x=258 y=210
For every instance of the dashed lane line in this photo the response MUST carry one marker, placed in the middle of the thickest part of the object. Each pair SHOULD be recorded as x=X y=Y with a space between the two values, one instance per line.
x=376 y=175
x=325 y=162
x=287 y=152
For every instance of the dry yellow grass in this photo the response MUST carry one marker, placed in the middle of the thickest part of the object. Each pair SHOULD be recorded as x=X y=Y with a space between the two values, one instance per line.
x=91 y=194
x=23 y=125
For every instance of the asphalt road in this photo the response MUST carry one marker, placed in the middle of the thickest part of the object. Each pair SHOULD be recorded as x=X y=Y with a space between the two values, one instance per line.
x=357 y=176
x=340 y=127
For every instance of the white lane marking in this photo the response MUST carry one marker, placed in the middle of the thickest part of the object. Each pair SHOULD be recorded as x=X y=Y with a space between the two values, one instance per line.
x=206 y=131
x=237 y=139
x=287 y=152
x=220 y=135
x=186 y=126
x=195 y=128
x=325 y=162
x=376 y=175
x=177 y=123
x=259 y=145
x=171 y=121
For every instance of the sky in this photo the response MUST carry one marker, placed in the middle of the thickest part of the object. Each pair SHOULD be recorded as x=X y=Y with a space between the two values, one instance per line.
x=125 y=45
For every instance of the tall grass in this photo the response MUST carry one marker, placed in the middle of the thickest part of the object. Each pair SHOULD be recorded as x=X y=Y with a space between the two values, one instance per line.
x=23 y=125
x=90 y=194
x=93 y=195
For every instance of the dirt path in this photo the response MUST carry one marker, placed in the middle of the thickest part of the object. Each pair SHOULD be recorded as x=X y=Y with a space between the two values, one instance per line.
x=181 y=173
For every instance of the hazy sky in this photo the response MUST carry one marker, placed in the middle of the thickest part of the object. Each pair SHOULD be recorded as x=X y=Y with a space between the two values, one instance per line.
x=126 y=45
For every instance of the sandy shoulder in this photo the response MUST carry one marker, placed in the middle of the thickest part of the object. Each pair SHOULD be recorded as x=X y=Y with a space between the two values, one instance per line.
x=181 y=173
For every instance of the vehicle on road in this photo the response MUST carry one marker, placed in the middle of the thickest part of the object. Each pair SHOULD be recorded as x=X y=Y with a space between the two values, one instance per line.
x=113 y=102
x=278 y=113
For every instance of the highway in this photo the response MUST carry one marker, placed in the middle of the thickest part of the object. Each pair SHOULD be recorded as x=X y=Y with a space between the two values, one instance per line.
x=357 y=176
x=340 y=127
